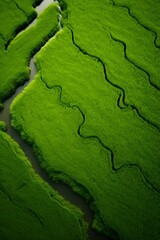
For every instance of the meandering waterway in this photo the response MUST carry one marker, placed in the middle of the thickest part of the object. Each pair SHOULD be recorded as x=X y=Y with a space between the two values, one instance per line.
x=62 y=188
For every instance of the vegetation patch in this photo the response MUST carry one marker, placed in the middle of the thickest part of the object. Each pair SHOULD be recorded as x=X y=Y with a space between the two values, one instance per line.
x=14 y=68
x=92 y=112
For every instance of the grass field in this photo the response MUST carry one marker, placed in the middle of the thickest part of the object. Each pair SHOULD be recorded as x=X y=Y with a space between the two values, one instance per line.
x=121 y=192
x=92 y=113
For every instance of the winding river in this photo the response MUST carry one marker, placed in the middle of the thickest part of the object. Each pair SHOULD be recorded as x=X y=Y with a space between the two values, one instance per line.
x=62 y=188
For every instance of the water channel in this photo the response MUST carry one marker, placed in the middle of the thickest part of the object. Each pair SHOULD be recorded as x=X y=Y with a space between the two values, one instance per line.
x=62 y=188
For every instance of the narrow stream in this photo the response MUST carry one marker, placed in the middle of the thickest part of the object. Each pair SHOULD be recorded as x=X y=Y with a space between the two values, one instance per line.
x=63 y=189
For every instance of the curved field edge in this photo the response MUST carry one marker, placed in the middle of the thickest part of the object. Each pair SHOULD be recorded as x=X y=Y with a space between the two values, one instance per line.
x=36 y=211
x=14 y=69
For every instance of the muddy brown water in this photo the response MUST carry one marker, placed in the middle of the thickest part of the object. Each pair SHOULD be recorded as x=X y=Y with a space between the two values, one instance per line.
x=63 y=189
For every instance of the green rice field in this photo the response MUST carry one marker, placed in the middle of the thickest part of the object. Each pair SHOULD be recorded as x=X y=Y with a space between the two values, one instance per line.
x=91 y=115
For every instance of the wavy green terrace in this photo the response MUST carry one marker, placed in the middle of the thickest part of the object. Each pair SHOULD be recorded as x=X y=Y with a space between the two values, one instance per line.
x=91 y=115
